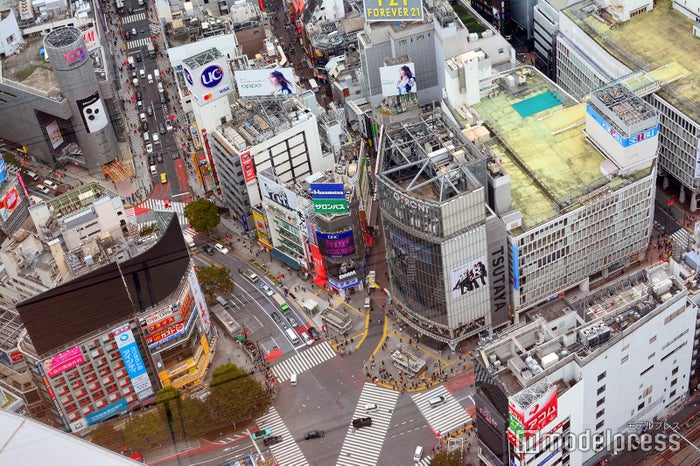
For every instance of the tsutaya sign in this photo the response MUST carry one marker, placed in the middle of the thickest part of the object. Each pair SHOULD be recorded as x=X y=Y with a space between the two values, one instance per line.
x=393 y=10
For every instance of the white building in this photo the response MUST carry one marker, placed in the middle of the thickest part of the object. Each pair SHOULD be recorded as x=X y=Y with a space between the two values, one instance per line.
x=618 y=357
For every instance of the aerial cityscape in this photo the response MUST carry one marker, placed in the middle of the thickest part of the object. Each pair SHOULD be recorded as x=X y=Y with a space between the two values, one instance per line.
x=325 y=232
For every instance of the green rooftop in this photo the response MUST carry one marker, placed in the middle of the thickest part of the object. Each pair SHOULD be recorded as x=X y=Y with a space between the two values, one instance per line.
x=546 y=155
x=660 y=38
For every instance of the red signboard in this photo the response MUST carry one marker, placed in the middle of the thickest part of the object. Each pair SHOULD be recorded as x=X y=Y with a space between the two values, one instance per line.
x=542 y=412
x=17 y=356
x=158 y=325
x=248 y=167
x=319 y=265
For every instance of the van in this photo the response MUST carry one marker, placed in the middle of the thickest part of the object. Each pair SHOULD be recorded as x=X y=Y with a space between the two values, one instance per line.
x=250 y=275
x=143 y=117
x=418 y=454
x=293 y=380
x=436 y=400
x=32 y=175
x=313 y=84
x=150 y=78
x=156 y=138
x=307 y=339
x=146 y=137
x=130 y=60
x=370 y=406
x=222 y=301
x=368 y=303
x=156 y=74
x=154 y=170
x=142 y=73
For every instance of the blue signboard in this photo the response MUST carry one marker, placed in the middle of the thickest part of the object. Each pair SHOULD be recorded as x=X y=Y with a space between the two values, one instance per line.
x=106 y=412
x=327 y=191
x=133 y=362
x=516 y=268
x=3 y=170
x=623 y=141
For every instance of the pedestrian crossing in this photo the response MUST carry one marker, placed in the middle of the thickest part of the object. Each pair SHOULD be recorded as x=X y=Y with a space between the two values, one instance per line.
x=134 y=18
x=130 y=215
x=286 y=452
x=424 y=462
x=159 y=204
x=137 y=43
x=303 y=361
x=443 y=418
x=363 y=446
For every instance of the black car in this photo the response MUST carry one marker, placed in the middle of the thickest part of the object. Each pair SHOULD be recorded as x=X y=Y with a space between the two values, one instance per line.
x=275 y=439
x=315 y=434
x=139 y=95
x=276 y=317
x=144 y=125
x=139 y=58
x=314 y=333
x=151 y=160
x=208 y=249
x=159 y=158
x=362 y=422
x=161 y=128
x=127 y=35
x=134 y=74
x=162 y=98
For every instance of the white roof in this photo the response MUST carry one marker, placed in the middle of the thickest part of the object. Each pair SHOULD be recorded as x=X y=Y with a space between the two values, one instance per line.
x=26 y=441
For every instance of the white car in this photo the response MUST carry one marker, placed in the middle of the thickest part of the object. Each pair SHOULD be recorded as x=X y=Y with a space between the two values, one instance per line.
x=168 y=125
x=149 y=148
x=43 y=189
x=51 y=185
x=221 y=248
x=268 y=291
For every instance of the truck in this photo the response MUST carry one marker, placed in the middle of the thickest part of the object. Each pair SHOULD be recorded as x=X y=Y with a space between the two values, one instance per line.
x=281 y=304
x=130 y=60
x=190 y=241
x=151 y=49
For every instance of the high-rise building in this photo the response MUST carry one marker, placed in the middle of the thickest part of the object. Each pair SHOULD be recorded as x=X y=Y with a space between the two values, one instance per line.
x=597 y=368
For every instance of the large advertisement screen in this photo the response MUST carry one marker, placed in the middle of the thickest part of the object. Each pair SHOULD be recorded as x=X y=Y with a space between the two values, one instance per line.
x=381 y=10
x=277 y=193
x=209 y=82
x=133 y=362
x=398 y=80
x=93 y=113
x=329 y=198
x=9 y=202
x=278 y=81
x=64 y=361
x=468 y=277
x=336 y=244
x=200 y=304
x=248 y=166
x=54 y=133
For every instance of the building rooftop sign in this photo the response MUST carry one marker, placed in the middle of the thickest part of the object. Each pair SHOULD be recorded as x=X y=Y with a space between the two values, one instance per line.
x=393 y=10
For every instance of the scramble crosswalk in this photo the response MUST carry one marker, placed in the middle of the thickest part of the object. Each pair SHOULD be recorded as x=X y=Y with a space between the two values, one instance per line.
x=303 y=361
x=362 y=446
x=286 y=452
x=137 y=43
x=443 y=418
x=134 y=18
x=159 y=204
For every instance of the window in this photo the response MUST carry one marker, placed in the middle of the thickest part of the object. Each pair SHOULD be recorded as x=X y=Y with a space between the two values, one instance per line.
x=641 y=406
x=674 y=382
x=652 y=339
x=601 y=390
x=624 y=359
x=672 y=394
x=651 y=355
x=599 y=413
x=601 y=376
x=674 y=371
x=647 y=391
x=600 y=402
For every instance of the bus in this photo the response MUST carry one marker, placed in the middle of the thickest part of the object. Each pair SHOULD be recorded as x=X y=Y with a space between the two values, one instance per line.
x=151 y=49
x=292 y=335
x=281 y=303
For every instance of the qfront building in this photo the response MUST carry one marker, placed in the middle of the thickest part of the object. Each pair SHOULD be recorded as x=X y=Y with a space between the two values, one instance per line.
x=106 y=341
x=594 y=369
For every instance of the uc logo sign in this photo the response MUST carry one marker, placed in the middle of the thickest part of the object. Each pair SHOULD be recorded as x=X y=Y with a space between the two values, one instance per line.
x=212 y=76
x=188 y=76
x=77 y=55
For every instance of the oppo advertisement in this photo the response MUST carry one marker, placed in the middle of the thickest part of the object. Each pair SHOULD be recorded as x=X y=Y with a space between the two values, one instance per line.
x=278 y=81
x=336 y=244
x=209 y=82
x=92 y=111
x=398 y=80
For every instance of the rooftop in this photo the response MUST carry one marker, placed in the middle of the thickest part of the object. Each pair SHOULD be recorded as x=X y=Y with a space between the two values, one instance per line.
x=10 y=329
x=579 y=330
x=552 y=166
x=648 y=41
x=29 y=69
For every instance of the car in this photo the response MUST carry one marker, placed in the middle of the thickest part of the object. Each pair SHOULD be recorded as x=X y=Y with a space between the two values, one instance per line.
x=159 y=158
x=139 y=95
x=142 y=73
x=154 y=170
x=208 y=249
x=139 y=58
x=139 y=104
x=149 y=110
x=144 y=126
x=134 y=74
x=161 y=128
x=267 y=289
x=162 y=98
x=292 y=321
x=131 y=11
x=276 y=317
x=362 y=422
x=43 y=188
x=275 y=439
x=315 y=434
x=134 y=31
x=149 y=148
x=163 y=178
x=168 y=125
x=160 y=87
x=314 y=333
x=51 y=185
x=221 y=248
x=127 y=35
x=135 y=82
x=258 y=434
x=142 y=116
x=151 y=160
x=175 y=155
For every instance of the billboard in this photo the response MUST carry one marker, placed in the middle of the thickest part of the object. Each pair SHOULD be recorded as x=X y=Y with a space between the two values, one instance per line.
x=329 y=198
x=91 y=39
x=336 y=244
x=278 y=81
x=248 y=166
x=524 y=422
x=623 y=141
x=93 y=113
x=54 y=133
x=133 y=362
x=3 y=169
x=64 y=361
x=468 y=277
x=378 y=10
x=277 y=193
x=209 y=82
x=200 y=304
x=398 y=79
x=9 y=202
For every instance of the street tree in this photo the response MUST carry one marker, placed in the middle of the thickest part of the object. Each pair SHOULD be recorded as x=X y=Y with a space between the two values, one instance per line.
x=105 y=435
x=450 y=458
x=235 y=396
x=146 y=431
x=214 y=281
x=202 y=215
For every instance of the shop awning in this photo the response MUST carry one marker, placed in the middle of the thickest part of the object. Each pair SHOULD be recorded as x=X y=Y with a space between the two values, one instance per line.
x=285 y=258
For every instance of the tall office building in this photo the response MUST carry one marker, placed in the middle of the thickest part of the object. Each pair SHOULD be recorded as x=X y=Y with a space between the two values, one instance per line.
x=72 y=66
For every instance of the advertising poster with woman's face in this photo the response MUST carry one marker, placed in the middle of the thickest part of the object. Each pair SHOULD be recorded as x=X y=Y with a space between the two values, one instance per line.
x=276 y=81
x=398 y=80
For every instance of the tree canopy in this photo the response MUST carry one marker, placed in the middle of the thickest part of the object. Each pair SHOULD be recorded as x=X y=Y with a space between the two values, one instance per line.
x=214 y=281
x=202 y=215
x=450 y=458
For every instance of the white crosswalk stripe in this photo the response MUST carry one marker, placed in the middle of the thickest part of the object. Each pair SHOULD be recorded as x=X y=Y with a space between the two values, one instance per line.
x=137 y=43
x=443 y=418
x=303 y=361
x=287 y=452
x=130 y=215
x=424 y=462
x=159 y=204
x=362 y=446
x=133 y=18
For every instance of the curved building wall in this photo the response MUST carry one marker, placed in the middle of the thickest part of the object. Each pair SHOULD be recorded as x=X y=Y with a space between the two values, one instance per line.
x=72 y=66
